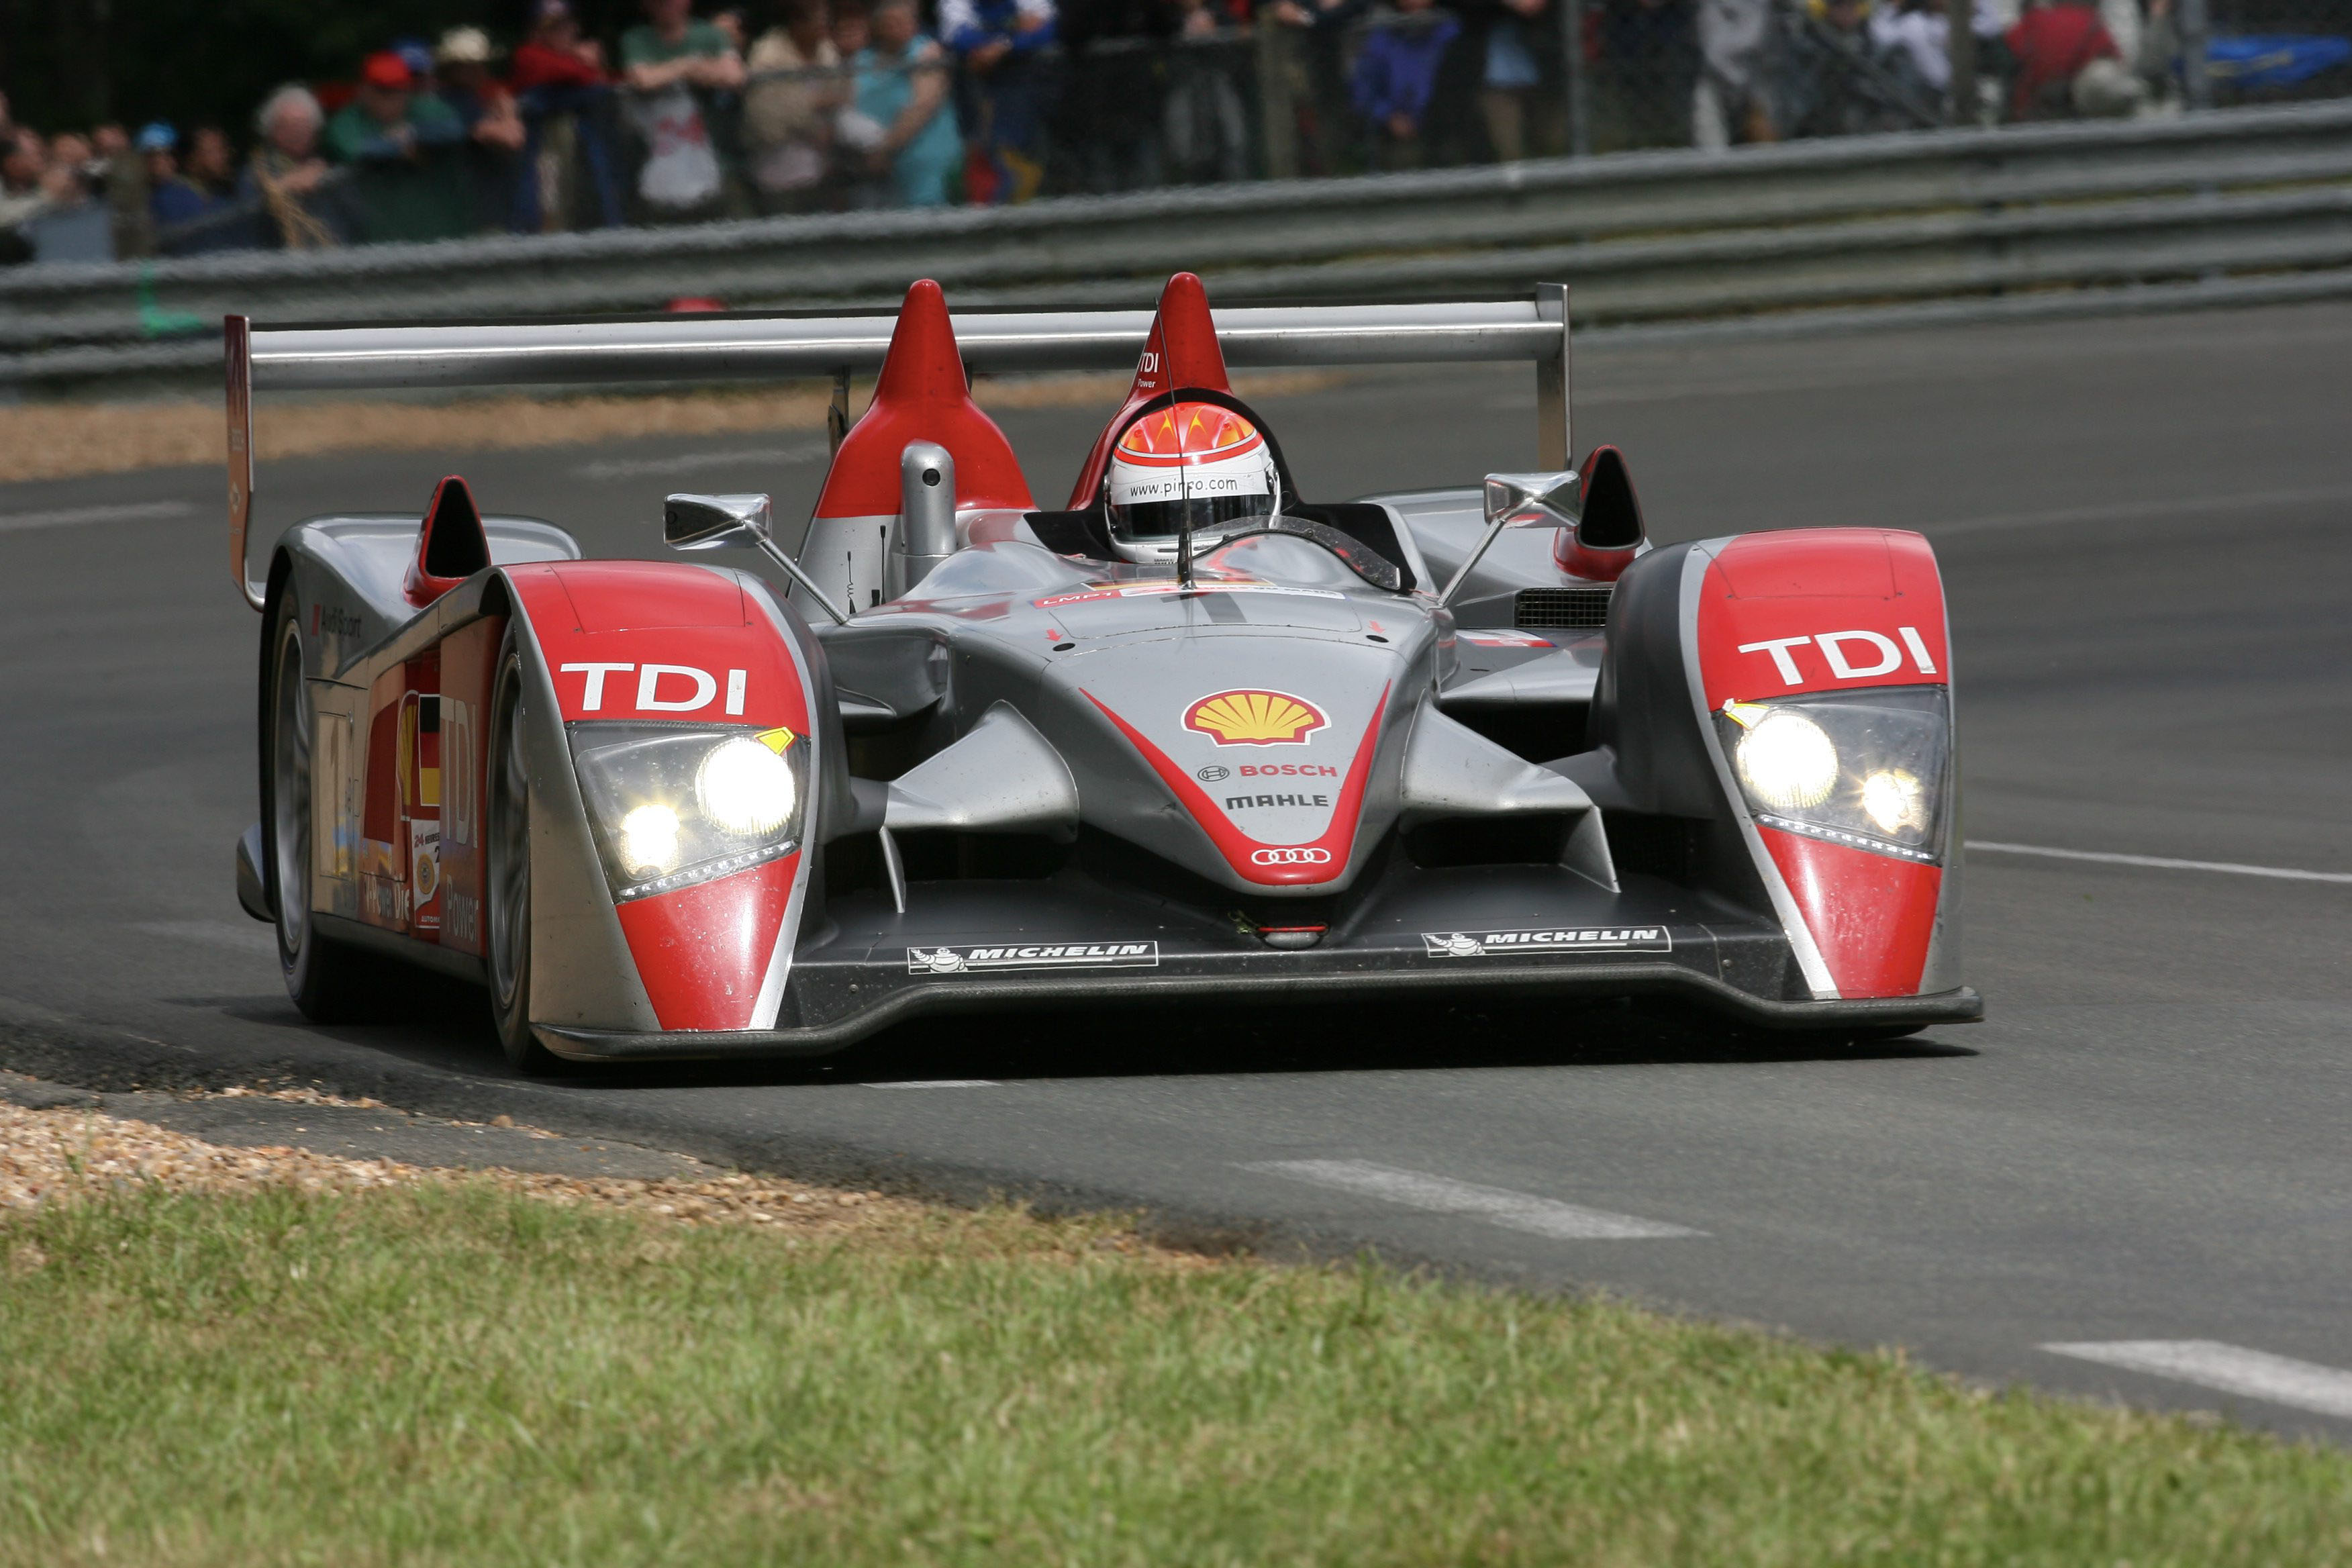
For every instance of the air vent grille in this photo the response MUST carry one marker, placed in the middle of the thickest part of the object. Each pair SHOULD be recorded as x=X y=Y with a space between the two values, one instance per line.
x=1562 y=609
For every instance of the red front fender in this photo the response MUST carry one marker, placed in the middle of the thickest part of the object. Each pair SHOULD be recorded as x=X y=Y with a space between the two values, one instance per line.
x=674 y=644
x=1829 y=610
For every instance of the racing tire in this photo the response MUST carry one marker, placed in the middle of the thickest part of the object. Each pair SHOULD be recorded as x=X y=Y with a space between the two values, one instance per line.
x=327 y=979
x=507 y=873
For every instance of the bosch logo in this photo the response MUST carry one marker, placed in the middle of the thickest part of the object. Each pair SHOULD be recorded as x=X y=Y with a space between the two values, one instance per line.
x=1285 y=770
x=1291 y=855
x=1212 y=773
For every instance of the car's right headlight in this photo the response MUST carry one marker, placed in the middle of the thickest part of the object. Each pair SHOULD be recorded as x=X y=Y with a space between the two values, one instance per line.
x=1862 y=768
x=673 y=804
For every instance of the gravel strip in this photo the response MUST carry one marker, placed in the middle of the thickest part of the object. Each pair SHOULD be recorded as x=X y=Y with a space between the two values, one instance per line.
x=59 y=1155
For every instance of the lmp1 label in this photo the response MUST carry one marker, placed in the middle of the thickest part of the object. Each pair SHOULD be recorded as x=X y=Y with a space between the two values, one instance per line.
x=1040 y=955
x=1584 y=939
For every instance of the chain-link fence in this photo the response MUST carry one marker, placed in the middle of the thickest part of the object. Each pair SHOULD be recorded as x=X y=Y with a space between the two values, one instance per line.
x=1348 y=86
x=994 y=102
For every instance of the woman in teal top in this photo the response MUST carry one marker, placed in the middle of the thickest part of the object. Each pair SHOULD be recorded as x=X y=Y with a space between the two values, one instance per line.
x=921 y=148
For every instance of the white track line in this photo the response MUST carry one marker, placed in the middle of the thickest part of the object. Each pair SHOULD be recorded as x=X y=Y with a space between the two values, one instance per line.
x=74 y=516
x=2209 y=1363
x=936 y=1083
x=1497 y=1205
x=2162 y=863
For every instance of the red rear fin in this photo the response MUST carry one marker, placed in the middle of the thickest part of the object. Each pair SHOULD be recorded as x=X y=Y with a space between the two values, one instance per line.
x=922 y=397
x=1181 y=351
x=451 y=546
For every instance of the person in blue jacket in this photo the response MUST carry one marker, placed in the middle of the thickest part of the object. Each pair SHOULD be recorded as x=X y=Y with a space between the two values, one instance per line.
x=1005 y=89
x=195 y=204
x=1396 y=75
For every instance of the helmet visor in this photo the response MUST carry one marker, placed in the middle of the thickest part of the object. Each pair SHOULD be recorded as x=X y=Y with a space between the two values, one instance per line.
x=1162 y=519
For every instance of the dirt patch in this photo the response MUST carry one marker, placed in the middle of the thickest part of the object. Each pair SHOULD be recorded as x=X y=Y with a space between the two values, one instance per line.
x=55 y=441
x=54 y=1156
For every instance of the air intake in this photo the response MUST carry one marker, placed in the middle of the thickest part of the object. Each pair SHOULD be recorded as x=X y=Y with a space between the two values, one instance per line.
x=1562 y=609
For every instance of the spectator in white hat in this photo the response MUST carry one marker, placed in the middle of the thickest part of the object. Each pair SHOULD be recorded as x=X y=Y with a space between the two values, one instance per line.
x=494 y=129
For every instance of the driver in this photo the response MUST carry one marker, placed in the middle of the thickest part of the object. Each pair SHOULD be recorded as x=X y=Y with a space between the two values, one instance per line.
x=1198 y=460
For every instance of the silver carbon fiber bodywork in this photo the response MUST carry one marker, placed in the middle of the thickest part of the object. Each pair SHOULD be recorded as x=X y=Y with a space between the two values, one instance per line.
x=1032 y=774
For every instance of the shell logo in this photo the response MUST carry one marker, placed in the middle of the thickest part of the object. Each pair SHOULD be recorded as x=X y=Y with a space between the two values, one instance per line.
x=1254 y=718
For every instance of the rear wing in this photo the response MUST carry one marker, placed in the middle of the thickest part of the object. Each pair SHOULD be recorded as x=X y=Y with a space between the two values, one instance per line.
x=703 y=348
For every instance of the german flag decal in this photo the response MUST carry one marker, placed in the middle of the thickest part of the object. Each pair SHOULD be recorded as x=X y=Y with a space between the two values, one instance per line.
x=1254 y=718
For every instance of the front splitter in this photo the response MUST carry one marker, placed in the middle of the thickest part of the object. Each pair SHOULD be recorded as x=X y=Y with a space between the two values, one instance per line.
x=976 y=993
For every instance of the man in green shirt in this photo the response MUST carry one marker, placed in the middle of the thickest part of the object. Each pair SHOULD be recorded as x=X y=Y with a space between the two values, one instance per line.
x=671 y=47
x=401 y=146
x=676 y=72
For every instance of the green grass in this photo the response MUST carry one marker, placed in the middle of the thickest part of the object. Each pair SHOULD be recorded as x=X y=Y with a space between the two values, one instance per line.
x=462 y=1376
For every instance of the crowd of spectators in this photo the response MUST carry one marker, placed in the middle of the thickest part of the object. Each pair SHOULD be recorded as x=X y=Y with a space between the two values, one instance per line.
x=807 y=106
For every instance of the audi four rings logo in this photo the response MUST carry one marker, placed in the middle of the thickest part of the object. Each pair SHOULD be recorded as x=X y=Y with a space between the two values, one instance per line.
x=1291 y=855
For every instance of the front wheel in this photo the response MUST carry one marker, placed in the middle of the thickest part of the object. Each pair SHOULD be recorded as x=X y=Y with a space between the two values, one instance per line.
x=508 y=872
x=326 y=979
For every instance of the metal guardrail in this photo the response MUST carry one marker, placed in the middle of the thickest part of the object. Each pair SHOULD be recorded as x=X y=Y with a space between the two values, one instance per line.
x=1646 y=237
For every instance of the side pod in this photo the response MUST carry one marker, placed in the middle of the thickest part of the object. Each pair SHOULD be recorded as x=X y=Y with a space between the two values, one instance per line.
x=1791 y=693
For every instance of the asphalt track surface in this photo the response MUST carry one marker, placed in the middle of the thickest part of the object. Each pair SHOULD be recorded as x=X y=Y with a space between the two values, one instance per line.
x=2142 y=525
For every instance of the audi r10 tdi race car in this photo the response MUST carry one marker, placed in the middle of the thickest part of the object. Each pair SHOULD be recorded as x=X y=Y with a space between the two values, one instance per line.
x=1195 y=734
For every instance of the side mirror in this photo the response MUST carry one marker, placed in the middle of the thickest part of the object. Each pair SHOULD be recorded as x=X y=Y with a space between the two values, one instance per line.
x=716 y=522
x=1519 y=501
x=720 y=522
x=1532 y=501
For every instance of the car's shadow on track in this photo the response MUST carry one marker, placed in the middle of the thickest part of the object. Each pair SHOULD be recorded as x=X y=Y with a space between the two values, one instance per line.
x=428 y=1020
x=1355 y=1038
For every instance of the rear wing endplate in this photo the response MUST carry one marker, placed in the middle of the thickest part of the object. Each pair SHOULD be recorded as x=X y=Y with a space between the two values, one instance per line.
x=704 y=348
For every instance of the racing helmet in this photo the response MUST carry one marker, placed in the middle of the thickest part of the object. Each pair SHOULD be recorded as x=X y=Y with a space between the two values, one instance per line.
x=1198 y=459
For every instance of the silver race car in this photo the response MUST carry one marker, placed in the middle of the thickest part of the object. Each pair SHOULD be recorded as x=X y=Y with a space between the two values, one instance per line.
x=1192 y=735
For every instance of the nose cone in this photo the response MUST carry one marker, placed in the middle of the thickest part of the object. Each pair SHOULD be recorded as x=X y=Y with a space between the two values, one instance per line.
x=1261 y=762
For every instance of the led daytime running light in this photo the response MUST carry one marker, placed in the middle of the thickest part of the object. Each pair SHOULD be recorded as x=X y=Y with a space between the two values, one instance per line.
x=708 y=870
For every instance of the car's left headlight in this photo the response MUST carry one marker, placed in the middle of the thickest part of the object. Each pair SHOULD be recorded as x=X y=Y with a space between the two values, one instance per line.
x=674 y=806
x=1862 y=768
